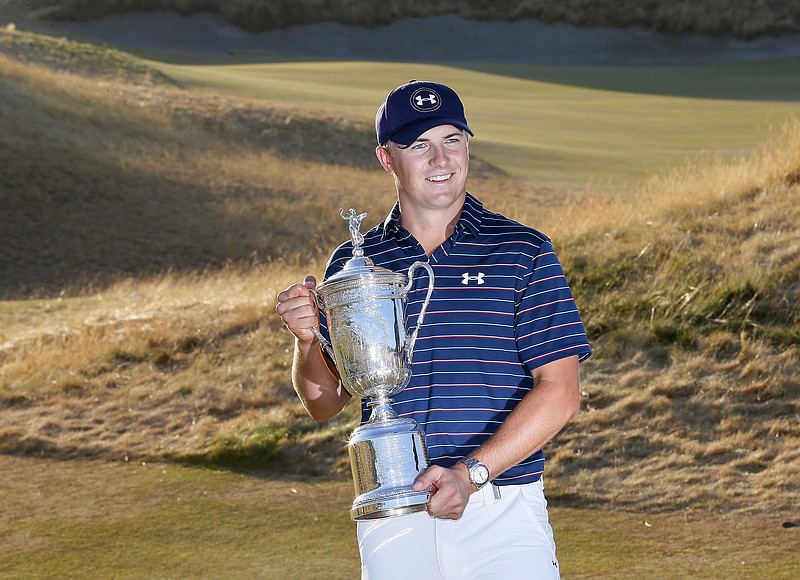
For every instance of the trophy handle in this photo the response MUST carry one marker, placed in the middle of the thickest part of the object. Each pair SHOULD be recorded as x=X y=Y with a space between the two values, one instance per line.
x=326 y=346
x=413 y=338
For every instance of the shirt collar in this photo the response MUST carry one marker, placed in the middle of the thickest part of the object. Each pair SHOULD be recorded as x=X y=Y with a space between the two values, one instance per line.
x=469 y=221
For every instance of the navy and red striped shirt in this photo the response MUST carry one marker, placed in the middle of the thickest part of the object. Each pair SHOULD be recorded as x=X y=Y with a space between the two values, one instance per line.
x=500 y=308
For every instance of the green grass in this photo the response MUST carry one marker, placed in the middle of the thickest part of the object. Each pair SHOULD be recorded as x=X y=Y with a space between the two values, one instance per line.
x=162 y=521
x=134 y=520
x=561 y=126
x=677 y=545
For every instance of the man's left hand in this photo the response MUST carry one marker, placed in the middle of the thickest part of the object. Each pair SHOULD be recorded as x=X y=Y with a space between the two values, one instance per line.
x=450 y=490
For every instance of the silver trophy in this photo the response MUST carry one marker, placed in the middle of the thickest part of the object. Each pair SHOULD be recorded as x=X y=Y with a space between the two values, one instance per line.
x=365 y=308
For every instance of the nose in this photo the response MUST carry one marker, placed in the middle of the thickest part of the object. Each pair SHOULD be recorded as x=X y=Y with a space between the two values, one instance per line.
x=439 y=155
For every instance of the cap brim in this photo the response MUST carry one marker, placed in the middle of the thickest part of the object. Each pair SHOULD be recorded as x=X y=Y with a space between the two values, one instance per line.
x=408 y=134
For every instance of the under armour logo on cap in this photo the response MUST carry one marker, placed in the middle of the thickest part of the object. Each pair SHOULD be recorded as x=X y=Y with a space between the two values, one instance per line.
x=413 y=108
x=425 y=100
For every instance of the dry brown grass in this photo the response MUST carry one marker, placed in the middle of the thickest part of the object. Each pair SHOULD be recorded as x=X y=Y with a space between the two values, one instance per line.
x=700 y=361
x=144 y=368
x=187 y=213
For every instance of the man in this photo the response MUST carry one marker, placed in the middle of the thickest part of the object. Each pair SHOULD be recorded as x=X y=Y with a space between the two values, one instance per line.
x=495 y=370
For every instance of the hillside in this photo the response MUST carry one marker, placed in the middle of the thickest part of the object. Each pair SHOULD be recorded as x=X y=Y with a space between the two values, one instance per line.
x=137 y=176
x=126 y=174
x=148 y=228
x=740 y=18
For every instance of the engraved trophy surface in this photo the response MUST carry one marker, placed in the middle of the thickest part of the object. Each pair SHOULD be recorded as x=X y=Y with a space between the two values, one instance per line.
x=364 y=306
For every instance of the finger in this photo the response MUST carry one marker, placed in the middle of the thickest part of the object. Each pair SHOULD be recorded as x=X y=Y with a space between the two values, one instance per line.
x=302 y=327
x=446 y=504
x=295 y=307
x=293 y=291
x=426 y=480
x=419 y=485
x=298 y=310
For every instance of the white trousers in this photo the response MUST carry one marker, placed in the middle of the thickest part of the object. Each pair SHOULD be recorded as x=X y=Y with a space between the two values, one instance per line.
x=504 y=534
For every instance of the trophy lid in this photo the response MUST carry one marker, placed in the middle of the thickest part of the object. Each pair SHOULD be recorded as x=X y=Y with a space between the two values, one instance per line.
x=360 y=266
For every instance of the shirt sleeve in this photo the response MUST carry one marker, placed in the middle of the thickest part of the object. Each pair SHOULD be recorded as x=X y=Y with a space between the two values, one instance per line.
x=548 y=324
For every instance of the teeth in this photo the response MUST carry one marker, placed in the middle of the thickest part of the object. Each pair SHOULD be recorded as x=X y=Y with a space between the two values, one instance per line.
x=439 y=178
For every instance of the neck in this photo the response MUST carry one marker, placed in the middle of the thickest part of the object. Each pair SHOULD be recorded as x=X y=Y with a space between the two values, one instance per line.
x=430 y=229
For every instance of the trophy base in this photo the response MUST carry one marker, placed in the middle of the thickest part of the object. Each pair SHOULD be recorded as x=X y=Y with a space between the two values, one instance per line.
x=386 y=457
x=399 y=503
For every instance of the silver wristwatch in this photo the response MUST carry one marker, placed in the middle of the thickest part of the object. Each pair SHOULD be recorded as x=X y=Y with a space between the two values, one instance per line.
x=478 y=472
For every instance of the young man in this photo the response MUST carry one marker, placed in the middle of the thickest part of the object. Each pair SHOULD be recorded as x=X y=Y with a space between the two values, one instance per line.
x=495 y=370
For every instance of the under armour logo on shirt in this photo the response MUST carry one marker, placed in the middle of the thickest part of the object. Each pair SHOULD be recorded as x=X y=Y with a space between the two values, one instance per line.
x=466 y=278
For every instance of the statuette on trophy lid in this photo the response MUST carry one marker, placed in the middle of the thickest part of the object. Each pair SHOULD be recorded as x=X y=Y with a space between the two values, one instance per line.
x=356 y=236
x=365 y=306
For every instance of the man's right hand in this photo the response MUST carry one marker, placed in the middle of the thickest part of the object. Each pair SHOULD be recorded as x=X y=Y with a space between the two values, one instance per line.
x=314 y=376
x=297 y=307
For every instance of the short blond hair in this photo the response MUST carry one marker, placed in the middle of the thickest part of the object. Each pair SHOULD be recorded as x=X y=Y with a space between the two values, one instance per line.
x=388 y=145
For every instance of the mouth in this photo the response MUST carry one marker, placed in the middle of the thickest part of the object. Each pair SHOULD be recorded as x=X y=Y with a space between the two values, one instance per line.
x=440 y=178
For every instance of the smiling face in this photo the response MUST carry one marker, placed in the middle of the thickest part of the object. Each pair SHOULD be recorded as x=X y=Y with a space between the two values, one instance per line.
x=431 y=173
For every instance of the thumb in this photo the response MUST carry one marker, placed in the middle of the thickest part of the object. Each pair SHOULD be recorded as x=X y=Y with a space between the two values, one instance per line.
x=424 y=481
x=310 y=282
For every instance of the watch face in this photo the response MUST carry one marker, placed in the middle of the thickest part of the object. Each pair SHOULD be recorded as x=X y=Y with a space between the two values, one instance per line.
x=481 y=474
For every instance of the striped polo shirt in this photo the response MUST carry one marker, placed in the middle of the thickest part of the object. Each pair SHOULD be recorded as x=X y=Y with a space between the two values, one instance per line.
x=500 y=308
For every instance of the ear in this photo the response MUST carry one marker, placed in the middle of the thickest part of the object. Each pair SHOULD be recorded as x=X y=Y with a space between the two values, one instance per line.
x=385 y=159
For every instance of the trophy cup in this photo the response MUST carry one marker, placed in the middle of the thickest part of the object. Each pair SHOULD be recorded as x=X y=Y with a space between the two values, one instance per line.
x=365 y=309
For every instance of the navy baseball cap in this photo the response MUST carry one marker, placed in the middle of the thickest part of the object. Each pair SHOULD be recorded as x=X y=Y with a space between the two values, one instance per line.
x=413 y=108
